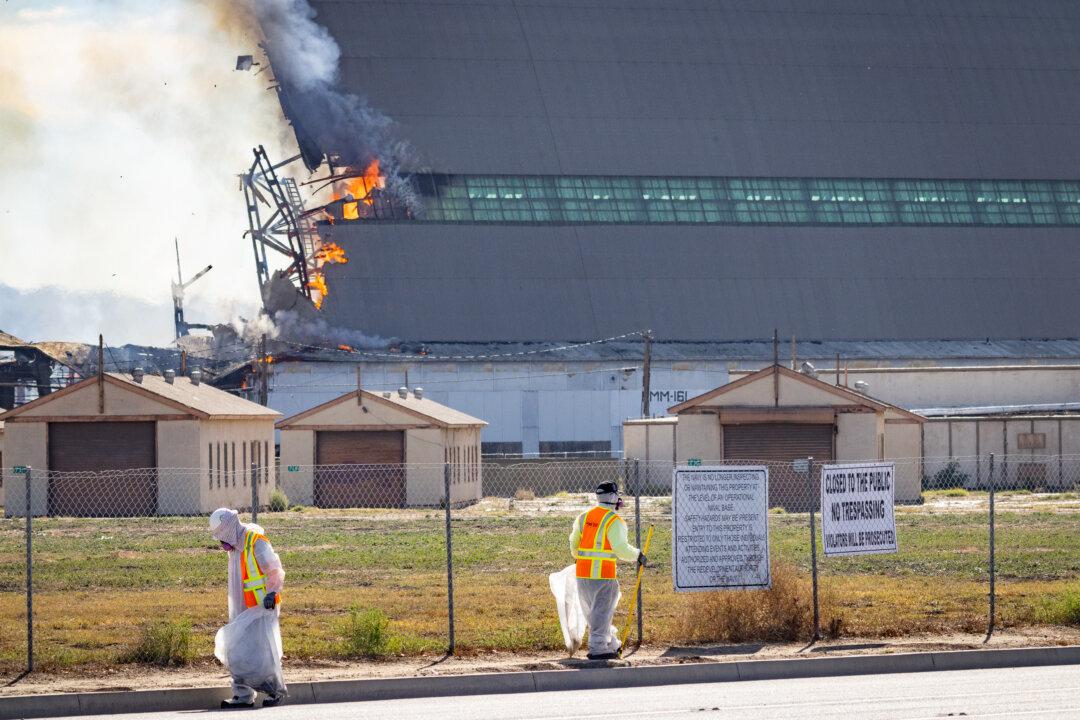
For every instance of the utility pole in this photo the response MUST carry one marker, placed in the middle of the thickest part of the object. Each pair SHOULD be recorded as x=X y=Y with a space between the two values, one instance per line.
x=646 y=373
x=359 y=388
x=264 y=372
x=793 y=361
x=101 y=373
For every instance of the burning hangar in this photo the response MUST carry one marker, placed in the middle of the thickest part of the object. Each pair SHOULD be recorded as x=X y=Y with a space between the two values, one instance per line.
x=896 y=184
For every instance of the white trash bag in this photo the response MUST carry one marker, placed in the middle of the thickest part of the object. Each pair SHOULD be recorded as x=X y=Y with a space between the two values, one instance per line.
x=572 y=620
x=250 y=649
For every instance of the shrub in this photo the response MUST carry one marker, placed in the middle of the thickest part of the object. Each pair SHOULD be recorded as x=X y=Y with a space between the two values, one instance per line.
x=298 y=508
x=1063 y=609
x=524 y=494
x=365 y=633
x=163 y=643
x=279 y=501
x=949 y=476
x=783 y=613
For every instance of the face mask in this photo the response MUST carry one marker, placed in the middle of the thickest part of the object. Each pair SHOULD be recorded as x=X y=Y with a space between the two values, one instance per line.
x=227 y=547
x=618 y=504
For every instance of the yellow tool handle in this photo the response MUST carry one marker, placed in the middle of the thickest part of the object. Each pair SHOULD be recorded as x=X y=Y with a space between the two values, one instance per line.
x=637 y=584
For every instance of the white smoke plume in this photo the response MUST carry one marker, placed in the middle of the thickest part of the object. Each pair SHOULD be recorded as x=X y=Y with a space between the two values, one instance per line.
x=291 y=327
x=124 y=125
x=305 y=61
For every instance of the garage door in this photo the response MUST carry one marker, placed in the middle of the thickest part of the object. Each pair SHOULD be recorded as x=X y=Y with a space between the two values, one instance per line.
x=102 y=469
x=781 y=443
x=360 y=468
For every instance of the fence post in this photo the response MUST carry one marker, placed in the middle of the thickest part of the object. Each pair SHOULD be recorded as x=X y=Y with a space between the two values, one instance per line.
x=449 y=557
x=637 y=535
x=29 y=575
x=254 y=493
x=814 y=494
x=993 y=569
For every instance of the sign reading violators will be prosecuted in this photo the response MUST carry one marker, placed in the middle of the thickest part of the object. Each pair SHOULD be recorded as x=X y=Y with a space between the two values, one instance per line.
x=857 y=508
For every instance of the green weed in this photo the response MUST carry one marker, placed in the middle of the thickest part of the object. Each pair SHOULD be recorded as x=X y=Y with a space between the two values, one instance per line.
x=164 y=643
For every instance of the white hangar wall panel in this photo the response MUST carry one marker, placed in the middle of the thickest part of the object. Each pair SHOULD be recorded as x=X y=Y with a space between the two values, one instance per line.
x=525 y=403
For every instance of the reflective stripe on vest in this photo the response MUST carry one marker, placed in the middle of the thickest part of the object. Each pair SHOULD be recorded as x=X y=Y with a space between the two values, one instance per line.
x=251 y=575
x=595 y=559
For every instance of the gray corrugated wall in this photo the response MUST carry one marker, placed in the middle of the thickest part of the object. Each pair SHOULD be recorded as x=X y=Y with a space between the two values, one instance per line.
x=834 y=88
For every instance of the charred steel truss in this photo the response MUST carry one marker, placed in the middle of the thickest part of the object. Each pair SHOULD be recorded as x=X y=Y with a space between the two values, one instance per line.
x=275 y=221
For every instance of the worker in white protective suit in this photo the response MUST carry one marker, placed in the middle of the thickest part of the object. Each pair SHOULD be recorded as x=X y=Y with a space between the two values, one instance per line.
x=597 y=542
x=255 y=578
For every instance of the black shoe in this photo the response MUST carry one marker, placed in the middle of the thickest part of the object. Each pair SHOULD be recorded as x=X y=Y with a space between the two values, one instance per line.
x=272 y=700
x=603 y=656
x=237 y=704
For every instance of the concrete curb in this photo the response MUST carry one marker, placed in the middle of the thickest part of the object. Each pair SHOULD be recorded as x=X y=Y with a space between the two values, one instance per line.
x=37 y=706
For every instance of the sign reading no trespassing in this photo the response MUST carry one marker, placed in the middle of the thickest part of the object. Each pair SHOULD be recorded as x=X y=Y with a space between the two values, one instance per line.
x=720 y=528
x=857 y=509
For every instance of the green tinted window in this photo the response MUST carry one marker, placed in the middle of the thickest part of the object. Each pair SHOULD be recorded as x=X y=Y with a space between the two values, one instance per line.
x=598 y=199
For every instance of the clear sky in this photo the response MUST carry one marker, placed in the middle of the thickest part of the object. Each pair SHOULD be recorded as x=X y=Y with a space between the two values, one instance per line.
x=124 y=125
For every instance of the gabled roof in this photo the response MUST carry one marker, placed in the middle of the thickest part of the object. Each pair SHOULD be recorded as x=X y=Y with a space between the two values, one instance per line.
x=202 y=401
x=436 y=413
x=768 y=372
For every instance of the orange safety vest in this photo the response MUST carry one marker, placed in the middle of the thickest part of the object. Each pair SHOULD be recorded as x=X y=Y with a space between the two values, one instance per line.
x=595 y=558
x=251 y=575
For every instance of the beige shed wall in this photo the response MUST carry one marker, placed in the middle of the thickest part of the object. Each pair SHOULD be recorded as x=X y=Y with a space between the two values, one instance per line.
x=698 y=437
x=424 y=451
x=857 y=436
x=298 y=450
x=5 y=469
x=228 y=485
x=84 y=402
x=349 y=413
x=903 y=443
x=178 y=462
x=26 y=444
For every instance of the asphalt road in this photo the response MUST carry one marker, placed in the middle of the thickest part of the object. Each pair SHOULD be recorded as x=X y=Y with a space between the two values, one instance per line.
x=1026 y=693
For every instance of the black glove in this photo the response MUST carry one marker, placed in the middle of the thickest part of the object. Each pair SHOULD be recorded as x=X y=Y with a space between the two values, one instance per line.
x=642 y=560
x=270 y=601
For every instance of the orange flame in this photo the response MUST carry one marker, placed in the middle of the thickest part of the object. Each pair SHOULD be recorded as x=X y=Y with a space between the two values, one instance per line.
x=360 y=189
x=346 y=348
x=331 y=253
x=318 y=283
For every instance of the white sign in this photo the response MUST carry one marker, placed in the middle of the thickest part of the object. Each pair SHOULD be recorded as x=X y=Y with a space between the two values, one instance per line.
x=857 y=508
x=720 y=528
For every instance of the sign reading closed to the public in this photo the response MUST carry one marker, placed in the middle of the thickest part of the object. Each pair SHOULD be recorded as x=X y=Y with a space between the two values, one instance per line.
x=857 y=508
x=720 y=527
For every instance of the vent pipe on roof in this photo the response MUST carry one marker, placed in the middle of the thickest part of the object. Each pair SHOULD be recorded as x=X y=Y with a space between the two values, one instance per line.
x=196 y=377
x=137 y=374
x=403 y=392
x=418 y=392
x=860 y=386
x=386 y=395
x=169 y=376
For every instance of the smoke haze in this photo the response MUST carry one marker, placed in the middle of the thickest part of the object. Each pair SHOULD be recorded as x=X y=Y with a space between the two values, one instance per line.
x=124 y=125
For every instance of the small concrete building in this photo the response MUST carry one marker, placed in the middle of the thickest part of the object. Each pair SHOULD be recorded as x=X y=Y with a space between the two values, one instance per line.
x=401 y=439
x=120 y=446
x=777 y=414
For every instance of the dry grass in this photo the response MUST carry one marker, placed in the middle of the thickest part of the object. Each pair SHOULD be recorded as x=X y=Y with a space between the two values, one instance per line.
x=89 y=613
x=783 y=613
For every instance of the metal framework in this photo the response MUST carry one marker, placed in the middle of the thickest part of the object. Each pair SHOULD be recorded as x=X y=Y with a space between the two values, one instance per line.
x=279 y=226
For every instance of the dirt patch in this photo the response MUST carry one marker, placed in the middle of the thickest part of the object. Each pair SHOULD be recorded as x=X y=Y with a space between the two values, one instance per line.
x=135 y=677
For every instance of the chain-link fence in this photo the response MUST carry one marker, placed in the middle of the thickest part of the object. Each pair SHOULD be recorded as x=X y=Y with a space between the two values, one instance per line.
x=112 y=552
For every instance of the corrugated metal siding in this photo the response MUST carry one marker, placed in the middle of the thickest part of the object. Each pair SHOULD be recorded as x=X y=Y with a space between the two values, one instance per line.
x=942 y=88
x=87 y=447
x=454 y=283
